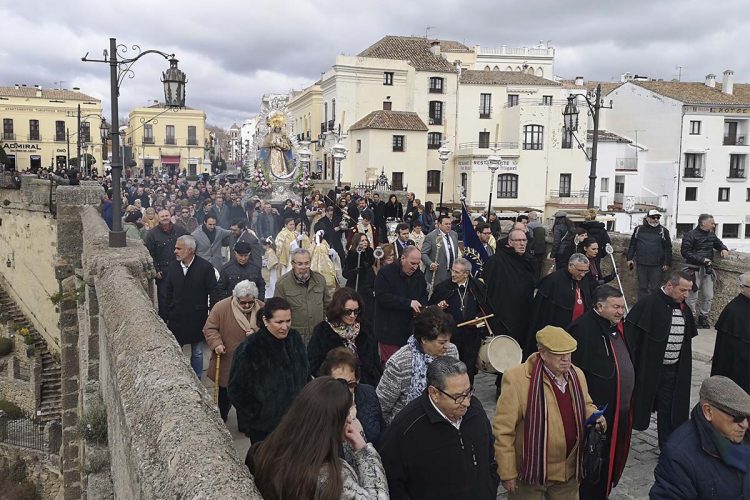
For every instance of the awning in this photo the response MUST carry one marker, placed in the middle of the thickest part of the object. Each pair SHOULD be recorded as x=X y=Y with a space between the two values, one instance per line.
x=170 y=159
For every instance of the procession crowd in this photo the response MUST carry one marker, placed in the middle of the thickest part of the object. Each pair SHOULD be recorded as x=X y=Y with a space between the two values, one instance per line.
x=347 y=330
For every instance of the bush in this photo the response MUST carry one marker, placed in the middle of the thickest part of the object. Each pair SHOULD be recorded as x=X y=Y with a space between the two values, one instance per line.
x=6 y=346
x=14 y=482
x=92 y=426
x=11 y=410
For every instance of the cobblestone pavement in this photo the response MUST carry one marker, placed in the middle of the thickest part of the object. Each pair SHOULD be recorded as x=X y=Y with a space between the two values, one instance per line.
x=638 y=476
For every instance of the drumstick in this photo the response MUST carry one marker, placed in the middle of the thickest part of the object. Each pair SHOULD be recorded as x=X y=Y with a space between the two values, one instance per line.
x=474 y=321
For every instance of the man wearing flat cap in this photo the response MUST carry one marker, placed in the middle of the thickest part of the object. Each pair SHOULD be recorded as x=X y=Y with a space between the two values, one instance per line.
x=708 y=456
x=539 y=421
x=241 y=267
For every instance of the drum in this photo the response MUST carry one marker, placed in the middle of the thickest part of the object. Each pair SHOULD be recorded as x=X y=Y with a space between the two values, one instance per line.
x=499 y=353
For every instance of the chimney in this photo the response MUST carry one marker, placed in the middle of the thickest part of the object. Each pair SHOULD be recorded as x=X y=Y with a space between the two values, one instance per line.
x=711 y=80
x=579 y=81
x=727 y=84
x=435 y=47
x=38 y=90
x=76 y=89
x=17 y=86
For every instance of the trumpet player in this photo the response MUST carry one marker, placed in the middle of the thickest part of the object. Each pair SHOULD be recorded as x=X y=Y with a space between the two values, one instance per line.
x=439 y=251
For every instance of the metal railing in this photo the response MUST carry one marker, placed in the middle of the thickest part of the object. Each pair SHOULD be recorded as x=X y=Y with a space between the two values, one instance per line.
x=693 y=173
x=556 y=193
x=31 y=433
x=488 y=145
x=626 y=164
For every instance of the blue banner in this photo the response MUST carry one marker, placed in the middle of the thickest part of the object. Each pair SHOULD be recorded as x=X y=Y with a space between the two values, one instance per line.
x=474 y=251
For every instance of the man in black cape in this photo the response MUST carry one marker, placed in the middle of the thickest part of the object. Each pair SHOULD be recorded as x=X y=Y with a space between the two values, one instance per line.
x=464 y=298
x=561 y=298
x=659 y=331
x=604 y=357
x=732 y=348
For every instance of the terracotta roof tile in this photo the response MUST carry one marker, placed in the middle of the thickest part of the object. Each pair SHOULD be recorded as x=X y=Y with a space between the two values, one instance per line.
x=479 y=77
x=391 y=120
x=697 y=92
x=606 y=136
x=414 y=50
x=46 y=93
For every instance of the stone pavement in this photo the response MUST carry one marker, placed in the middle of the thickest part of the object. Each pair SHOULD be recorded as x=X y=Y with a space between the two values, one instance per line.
x=644 y=452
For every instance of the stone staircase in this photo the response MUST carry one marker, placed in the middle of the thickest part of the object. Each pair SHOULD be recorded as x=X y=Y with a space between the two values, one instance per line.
x=50 y=407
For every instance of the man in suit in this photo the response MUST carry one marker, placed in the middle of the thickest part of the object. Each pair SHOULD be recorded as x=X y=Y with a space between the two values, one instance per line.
x=485 y=233
x=190 y=282
x=402 y=240
x=439 y=250
x=378 y=210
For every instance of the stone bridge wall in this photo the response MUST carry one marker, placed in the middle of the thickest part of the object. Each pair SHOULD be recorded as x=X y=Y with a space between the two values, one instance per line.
x=165 y=436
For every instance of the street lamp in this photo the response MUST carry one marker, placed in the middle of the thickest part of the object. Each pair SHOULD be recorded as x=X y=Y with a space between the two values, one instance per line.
x=339 y=154
x=570 y=126
x=304 y=158
x=443 y=154
x=494 y=164
x=174 y=81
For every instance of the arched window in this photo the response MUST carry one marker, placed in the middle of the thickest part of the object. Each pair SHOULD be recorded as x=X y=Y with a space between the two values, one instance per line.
x=533 y=137
x=530 y=70
x=507 y=186
x=487 y=68
x=508 y=69
x=496 y=68
x=539 y=72
x=518 y=68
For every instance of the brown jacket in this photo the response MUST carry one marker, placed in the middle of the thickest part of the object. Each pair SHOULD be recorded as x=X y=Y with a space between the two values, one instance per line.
x=508 y=424
x=222 y=328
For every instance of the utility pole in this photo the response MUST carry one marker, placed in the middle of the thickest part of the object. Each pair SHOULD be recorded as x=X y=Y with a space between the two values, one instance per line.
x=78 y=140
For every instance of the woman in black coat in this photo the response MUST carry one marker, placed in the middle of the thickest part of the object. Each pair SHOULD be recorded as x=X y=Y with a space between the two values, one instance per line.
x=393 y=209
x=590 y=249
x=342 y=328
x=359 y=273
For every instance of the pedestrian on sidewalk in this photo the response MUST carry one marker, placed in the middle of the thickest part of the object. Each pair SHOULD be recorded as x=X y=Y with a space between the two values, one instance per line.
x=732 y=348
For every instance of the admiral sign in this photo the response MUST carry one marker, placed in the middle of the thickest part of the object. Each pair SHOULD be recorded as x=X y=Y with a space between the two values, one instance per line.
x=18 y=147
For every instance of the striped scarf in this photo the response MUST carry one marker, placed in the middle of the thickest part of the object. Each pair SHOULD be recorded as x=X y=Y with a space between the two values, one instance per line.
x=535 y=439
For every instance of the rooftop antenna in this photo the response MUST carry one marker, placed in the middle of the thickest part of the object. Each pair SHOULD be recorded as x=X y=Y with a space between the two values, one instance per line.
x=59 y=84
x=427 y=30
x=679 y=72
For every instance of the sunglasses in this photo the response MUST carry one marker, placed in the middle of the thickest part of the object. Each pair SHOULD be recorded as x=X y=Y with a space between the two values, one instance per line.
x=351 y=384
x=737 y=419
x=351 y=312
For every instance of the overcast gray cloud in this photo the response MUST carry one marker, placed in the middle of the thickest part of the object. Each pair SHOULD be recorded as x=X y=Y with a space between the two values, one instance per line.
x=234 y=51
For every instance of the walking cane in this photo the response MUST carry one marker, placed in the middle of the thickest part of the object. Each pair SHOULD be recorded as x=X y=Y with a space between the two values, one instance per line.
x=216 y=379
x=610 y=251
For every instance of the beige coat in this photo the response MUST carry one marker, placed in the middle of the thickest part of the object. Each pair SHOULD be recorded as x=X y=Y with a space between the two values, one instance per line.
x=222 y=328
x=308 y=302
x=508 y=424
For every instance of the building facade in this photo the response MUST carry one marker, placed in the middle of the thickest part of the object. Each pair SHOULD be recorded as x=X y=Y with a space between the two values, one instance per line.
x=40 y=127
x=698 y=133
x=167 y=141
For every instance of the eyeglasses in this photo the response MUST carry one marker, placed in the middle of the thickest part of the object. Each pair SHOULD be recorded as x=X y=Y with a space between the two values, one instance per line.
x=351 y=384
x=460 y=398
x=246 y=302
x=352 y=312
x=737 y=419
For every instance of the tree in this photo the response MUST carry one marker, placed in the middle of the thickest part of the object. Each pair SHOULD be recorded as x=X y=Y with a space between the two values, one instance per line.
x=86 y=159
x=3 y=156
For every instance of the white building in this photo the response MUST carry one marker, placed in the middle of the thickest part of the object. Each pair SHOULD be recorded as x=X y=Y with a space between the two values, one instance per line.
x=697 y=133
x=247 y=137
x=538 y=61
x=233 y=147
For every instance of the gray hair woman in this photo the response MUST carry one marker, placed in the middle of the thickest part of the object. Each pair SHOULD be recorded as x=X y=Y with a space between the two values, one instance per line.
x=405 y=375
x=231 y=320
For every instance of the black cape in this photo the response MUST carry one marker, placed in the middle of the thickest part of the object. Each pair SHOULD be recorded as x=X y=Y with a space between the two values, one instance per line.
x=553 y=303
x=647 y=331
x=732 y=348
x=510 y=291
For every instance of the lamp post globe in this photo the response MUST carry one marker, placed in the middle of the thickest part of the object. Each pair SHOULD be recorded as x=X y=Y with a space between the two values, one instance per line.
x=570 y=115
x=339 y=154
x=494 y=164
x=174 y=81
x=104 y=130
x=443 y=154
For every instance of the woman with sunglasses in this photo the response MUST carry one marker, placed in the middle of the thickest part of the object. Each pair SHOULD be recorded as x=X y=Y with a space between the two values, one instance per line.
x=343 y=328
x=229 y=323
x=300 y=459
x=404 y=377
x=341 y=363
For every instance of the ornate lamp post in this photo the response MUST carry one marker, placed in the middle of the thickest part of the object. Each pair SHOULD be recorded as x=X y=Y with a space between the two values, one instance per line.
x=174 y=81
x=304 y=158
x=339 y=154
x=494 y=164
x=570 y=126
x=443 y=154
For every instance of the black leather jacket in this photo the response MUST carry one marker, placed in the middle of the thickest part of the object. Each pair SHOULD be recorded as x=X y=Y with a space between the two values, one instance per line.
x=699 y=245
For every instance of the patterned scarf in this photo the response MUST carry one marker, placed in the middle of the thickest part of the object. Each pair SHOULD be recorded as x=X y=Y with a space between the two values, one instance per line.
x=348 y=334
x=419 y=362
x=535 y=440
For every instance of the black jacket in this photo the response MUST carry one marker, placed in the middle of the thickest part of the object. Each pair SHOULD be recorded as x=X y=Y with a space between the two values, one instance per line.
x=366 y=273
x=647 y=328
x=324 y=339
x=369 y=413
x=690 y=465
x=598 y=231
x=161 y=246
x=426 y=457
x=394 y=292
x=266 y=375
x=699 y=245
x=331 y=234
x=475 y=301
x=393 y=211
x=232 y=273
x=650 y=246
x=187 y=299
x=732 y=348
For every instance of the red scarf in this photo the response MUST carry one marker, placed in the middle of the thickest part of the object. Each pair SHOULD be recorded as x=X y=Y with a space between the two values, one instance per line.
x=535 y=439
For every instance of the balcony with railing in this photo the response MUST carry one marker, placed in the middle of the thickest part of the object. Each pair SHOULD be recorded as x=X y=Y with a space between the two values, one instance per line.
x=9 y=136
x=34 y=136
x=516 y=51
x=626 y=165
x=569 y=198
x=690 y=173
x=148 y=140
x=170 y=140
x=485 y=112
x=192 y=141
x=484 y=148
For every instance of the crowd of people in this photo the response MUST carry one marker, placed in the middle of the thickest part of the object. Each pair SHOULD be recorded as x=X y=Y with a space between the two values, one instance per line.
x=345 y=333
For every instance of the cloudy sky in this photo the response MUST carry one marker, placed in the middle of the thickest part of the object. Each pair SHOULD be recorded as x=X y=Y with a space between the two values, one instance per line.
x=234 y=51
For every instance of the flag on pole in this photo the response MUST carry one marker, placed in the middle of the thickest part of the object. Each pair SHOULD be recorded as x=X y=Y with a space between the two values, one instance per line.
x=474 y=251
